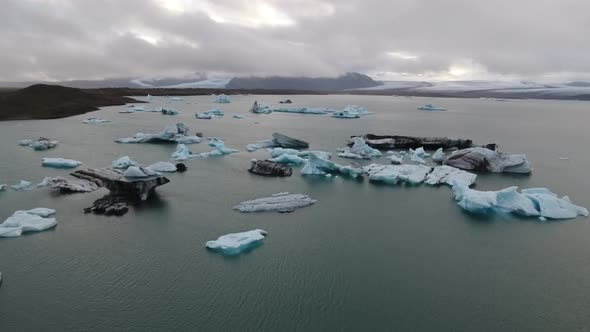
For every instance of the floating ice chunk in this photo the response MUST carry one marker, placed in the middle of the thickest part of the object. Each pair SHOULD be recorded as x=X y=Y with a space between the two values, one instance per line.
x=320 y=166
x=172 y=133
x=149 y=97
x=354 y=109
x=188 y=139
x=138 y=108
x=236 y=243
x=176 y=99
x=44 y=182
x=320 y=154
x=260 y=108
x=139 y=172
x=123 y=162
x=430 y=107
x=182 y=153
x=269 y=143
x=70 y=185
x=482 y=159
x=278 y=202
x=552 y=207
x=220 y=148
x=303 y=110
x=450 y=176
x=40 y=145
x=162 y=166
x=345 y=115
x=394 y=174
x=438 y=155
x=281 y=151
x=290 y=159
x=128 y=110
x=360 y=150
x=34 y=220
x=60 y=163
x=210 y=114
x=25 y=142
x=236 y=116
x=22 y=185
x=222 y=99
x=204 y=116
x=95 y=121
x=395 y=160
x=168 y=111
x=2 y=187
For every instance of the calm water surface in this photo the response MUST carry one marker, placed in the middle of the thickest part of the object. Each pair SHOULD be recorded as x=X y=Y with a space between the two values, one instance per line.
x=366 y=257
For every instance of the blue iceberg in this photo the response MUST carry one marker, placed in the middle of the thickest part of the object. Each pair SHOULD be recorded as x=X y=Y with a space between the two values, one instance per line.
x=123 y=162
x=320 y=166
x=222 y=99
x=236 y=243
x=360 y=150
x=60 y=163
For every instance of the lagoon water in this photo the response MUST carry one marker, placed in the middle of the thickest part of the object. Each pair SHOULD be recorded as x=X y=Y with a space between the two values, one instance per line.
x=365 y=257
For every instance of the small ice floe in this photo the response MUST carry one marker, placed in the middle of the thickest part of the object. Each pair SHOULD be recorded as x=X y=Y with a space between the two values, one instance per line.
x=220 y=148
x=289 y=159
x=438 y=156
x=176 y=98
x=222 y=99
x=95 y=121
x=345 y=115
x=236 y=243
x=182 y=153
x=535 y=202
x=139 y=172
x=127 y=110
x=162 y=166
x=564 y=158
x=210 y=114
x=303 y=110
x=71 y=185
x=395 y=159
x=60 y=163
x=260 y=108
x=35 y=220
x=22 y=185
x=44 y=182
x=394 y=174
x=278 y=140
x=359 y=150
x=450 y=175
x=168 y=111
x=123 y=162
x=148 y=97
x=172 y=133
x=430 y=107
x=40 y=145
x=138 y=108
x=484 y=159
x=418 y=155
x=281 y=202
x=319 y=166
x=237 y=116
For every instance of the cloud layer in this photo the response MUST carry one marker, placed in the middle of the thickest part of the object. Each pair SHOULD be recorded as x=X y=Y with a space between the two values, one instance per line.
x=414 y=39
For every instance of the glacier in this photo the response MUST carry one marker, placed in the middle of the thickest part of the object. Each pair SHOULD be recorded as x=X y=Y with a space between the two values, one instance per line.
x=281 y=202
x=60 y=163
x=35 y=220
x=123 y=162
x=236 y=243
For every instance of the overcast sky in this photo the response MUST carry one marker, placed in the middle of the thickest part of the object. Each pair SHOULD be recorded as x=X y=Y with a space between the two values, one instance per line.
x=399 y=39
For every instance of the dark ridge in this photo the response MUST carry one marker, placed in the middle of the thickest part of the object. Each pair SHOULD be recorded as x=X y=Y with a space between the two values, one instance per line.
x=344 y=82
x=43 y=101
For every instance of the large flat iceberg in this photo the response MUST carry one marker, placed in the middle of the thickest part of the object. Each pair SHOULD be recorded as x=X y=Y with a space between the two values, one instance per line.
x=450 y=175
x=162 y=166
x=60 y=163
x=394 y=174
x=35 y=220
x=236 y=243
x=282 y=202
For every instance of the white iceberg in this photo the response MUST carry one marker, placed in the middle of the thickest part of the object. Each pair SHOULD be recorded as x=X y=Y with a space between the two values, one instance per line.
x=40 y=145
x=44 y=182
x=128 y=110
x=276 y=152
x=60 y=163
x=354 y=109
x=22 y=185
x=95 y=121
x=360 y=150
x=162 y=166
x=172 y=133
x=395 y=159
x=430 y=107
x=281 y=202
x=236 y=243
x=123 y=162
x=25 y=142
x=35 y=220
x=175 y=98
x=139 y=172
x=394 y=174
x=450 y=175
x=319 y=166
x=138 y=108
x=222 y=99
x=438 y=156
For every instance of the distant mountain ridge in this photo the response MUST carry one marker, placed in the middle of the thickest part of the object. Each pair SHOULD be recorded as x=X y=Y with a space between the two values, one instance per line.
x=344 y=82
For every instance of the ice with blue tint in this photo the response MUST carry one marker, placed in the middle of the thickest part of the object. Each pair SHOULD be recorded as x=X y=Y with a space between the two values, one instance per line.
x=123 y=162
x=138 y=108
x=320 y=166
x=139 y=172
x=283 y=201
x=162 y=166
x=354 y=109
x=345 y=115
x=22 y=185
x=281 y=151
x=394 y=174
x=35 y=220
x=535 y=202
x=60 y=163
x=2 y=187
x=395 y=159
x=44 y=182
x=360 y=150
x=289 y=159
x=220 y=149
x=430 y=107
x=438 y=155
x=236 y=243
x=95 y=121
x=176 y=98
x=172 y=133
x=303 y=110
x=222 y=99
x=418 y=155
x=182 y=153
x=260 y=108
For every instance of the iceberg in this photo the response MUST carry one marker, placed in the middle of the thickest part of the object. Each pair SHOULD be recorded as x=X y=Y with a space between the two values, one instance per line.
x=176 y=99
x=289 y=159
x=303 y=110
x=60 y=163
x=2 y=187
x=236 y=243
x=430 y=107
x=354 y=109
x=394 y=174
x=40 y=145
x=138 y=108
x=236 y=116
x=128 y=110
x=280 y=202
x=210 y=114
x=171 y=134
x=162 y=166
x=44 y=182
x=67 y=185
x=418 y=155
x=483 y=159
x=260 y=108
x=25 y=142
x=95 y=121
x=451 y=176
x=182 y=153
x=123 y=162
x=35 y=220
x=319 y=166
x=360 y=150
x=438 y=156
x=345 y=115
x=534 y=202
x=220 y=149
x=278 y=140
x=395 y=160
x=168 y=111
x=139 y=172
x=22 y=185
x=276 y=152
x=222 y=99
